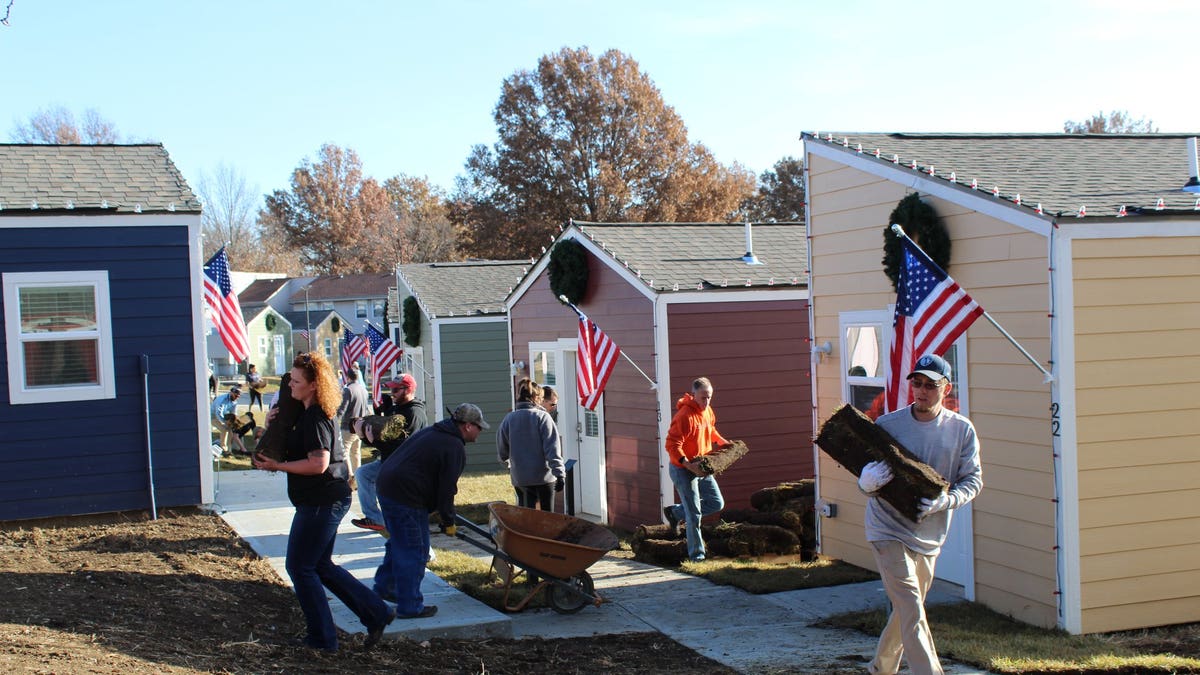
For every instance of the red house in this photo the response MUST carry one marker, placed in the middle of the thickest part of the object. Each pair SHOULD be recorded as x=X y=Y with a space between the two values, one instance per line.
x=728 y=301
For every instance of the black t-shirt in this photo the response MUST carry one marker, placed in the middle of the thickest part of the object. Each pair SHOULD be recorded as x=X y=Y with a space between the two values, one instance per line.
x=314 y=431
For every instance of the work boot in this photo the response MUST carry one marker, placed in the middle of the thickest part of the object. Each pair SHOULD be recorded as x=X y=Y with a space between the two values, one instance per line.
x=672 y=521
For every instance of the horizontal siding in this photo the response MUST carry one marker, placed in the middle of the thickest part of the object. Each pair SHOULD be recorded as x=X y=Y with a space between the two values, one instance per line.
x=1137 y=349
x=1006 y=269
x=104 y=469
x=757 y=357
x=475 y=369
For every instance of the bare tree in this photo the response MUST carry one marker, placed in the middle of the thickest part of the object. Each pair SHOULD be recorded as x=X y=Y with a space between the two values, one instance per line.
x=56 y=125
x=1116 y=122
x=228 y=217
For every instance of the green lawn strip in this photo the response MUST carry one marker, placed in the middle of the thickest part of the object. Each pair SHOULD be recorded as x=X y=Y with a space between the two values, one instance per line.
x=474 y=576
x=756 y=576
x=970 y=633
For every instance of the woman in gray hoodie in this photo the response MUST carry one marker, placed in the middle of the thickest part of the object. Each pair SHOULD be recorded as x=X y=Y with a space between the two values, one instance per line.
x=527 y=441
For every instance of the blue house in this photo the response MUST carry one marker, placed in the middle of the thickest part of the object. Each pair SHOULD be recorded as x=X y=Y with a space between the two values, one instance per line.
x=103 y=402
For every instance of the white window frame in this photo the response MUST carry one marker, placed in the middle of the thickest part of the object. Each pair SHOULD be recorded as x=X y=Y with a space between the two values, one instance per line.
x=262 y=345
x=360 y=309
x=328 y=348
x=18 y=393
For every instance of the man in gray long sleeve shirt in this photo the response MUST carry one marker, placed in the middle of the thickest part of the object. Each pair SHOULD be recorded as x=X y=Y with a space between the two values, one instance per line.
x=906 y=551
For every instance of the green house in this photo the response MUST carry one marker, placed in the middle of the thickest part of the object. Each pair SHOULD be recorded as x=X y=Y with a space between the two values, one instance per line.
x=454 y=331
x=270 y=339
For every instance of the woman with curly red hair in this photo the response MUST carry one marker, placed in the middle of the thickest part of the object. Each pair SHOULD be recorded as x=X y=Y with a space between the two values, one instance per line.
x=319 y=488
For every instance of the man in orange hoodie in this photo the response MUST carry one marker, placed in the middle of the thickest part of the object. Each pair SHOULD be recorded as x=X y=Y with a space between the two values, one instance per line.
x=691 y=436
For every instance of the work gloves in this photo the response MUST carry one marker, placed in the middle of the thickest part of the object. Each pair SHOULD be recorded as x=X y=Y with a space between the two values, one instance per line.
x=559 y=483
x=449 y=530
x=930 y=506
x=874 y=476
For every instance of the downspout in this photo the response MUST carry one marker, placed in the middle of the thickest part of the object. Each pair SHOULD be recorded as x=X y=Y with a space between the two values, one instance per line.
x=145 y=365
x=813 y=359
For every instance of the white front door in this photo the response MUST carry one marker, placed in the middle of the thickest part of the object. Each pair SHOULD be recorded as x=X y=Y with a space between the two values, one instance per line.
x=281 y=363
x=957 y=559
x=582 y=430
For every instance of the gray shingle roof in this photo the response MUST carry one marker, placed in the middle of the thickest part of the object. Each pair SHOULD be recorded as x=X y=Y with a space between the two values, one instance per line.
x=259 y=291
x=472 y=288
x=347 y=287
x=128 y=178
x=698 y=256
x=1062 y=172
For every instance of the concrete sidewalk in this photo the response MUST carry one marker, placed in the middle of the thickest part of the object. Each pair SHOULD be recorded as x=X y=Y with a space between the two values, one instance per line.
x=751 y=633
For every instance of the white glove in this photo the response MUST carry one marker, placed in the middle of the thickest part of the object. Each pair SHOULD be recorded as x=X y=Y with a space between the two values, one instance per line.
x=874 y=476
x=930 y=506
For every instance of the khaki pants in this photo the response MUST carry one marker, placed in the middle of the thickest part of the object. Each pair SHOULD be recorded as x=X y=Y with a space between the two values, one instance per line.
x=906 y=576
x=352 y=449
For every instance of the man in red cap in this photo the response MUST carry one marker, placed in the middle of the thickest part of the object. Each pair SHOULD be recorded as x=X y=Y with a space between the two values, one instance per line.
x=404 y=402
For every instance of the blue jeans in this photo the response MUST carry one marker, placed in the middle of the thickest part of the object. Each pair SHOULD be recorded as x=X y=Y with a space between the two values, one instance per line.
x=403 y=566
x=698 y=497
x=311 y=568
x=366 y=476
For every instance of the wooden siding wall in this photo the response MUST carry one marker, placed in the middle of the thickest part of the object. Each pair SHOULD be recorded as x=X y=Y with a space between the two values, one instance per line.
x=1137 y=355
x=757 y=357
x=90 y=456
x=630 y=408
x=475 y=369
x=1005 y=269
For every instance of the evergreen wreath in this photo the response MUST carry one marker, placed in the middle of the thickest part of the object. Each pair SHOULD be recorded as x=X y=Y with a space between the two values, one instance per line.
x=336 y=325
x=922 y=225
x=411 y=324
x=270 y=322
x=568 y=269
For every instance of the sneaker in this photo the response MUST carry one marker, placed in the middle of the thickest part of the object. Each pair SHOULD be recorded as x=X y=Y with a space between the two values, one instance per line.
x=367 y=524
x=699 y=558
x=429 y=611
x=672 y=521
x=376 y=633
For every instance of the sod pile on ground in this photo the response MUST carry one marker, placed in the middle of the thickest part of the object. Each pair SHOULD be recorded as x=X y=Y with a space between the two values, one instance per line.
x=782 y=522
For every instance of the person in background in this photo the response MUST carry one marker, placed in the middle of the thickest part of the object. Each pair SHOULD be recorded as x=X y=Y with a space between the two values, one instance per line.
x=224 y=413
x=317 y=485
x=354 y=406
x=421 y=479
x=550 y=402
x=254 y=382
x=527 y=442
x=906 y=552
x=692 y=433
x=404 y=396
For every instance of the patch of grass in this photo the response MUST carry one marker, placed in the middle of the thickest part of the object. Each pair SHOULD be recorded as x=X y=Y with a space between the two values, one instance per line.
x=477 y=489
x=973 y=634
x=767 y=576
x=475 y=577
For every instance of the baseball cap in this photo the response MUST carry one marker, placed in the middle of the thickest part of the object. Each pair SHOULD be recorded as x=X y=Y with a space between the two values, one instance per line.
x=469 y=412
x=405 y=381
x=932 y=366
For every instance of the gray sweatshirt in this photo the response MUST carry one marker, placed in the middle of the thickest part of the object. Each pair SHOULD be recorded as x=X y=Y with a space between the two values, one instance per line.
x=948 y=444
x=527 y=441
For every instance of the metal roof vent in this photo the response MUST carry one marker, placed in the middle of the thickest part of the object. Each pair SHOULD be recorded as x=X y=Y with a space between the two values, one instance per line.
x=750 y=258
x=1193 y=184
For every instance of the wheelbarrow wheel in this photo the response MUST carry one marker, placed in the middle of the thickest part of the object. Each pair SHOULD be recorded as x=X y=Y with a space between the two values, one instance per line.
x=570 y=600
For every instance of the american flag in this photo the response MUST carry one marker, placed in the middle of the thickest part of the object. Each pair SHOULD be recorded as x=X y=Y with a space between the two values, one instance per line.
x=354 y=347
x=384 y=353
x=304 y=334
x=931 y=312
x=595 y=358
x=224 y=308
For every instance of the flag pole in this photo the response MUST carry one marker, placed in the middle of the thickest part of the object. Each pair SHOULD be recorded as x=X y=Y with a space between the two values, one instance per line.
x=1048 y=378
x=653 y=384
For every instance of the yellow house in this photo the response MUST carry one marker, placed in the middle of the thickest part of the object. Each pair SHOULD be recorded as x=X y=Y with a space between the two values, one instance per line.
x=1086 y=249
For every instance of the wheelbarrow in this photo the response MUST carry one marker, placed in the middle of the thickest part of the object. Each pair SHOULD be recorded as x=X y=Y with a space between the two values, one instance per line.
x=556 y=547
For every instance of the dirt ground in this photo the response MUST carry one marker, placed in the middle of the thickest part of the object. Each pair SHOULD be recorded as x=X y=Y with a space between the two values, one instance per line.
x=183 y=594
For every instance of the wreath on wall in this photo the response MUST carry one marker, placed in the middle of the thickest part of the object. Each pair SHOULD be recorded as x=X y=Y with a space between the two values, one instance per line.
x=412 y=321
x=270 y=322
x=568 y=269
x=336 y=325
x=922 y=225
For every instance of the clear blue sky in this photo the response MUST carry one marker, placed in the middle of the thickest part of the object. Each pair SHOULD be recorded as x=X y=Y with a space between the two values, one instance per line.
x=410 y=86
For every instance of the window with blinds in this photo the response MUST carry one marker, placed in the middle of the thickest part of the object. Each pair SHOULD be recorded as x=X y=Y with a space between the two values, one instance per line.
x=59 y=336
